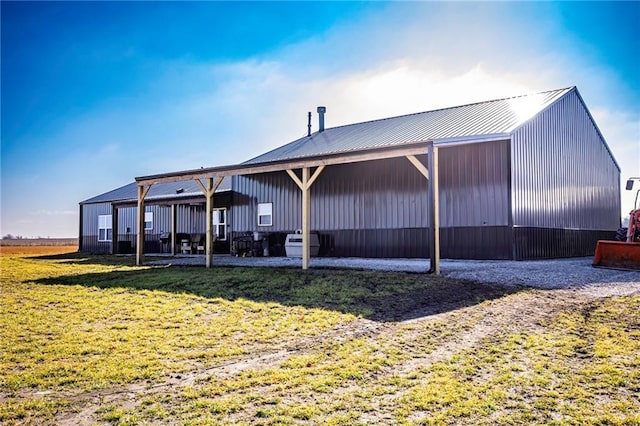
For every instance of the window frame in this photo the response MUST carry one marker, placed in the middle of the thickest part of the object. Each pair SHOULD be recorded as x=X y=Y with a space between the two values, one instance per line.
x=268 y=213
x=105 y=223
x=218 y=226
x=148 y=218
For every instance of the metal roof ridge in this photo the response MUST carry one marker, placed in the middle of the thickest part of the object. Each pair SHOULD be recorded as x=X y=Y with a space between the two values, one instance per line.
x=310 y=138
x=567 y=91
x=438 y=109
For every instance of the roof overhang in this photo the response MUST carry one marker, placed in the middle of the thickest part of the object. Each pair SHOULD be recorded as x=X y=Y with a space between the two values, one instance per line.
x=414 y=148
x=168 y=199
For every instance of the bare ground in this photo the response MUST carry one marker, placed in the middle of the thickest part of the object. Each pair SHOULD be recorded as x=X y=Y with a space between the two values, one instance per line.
x=517 y=312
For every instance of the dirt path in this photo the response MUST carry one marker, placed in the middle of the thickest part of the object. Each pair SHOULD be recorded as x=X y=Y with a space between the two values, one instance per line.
x=518 y=312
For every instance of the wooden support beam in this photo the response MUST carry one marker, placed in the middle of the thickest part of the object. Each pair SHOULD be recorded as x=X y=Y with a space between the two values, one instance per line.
x=418 y=165
x=416 y=148
x=204 y=190
x=296 y=179
x=315 y=176
x=306 y=222
x=312 y=179
x=114 y=229
x=305 y=187
x=209 y=191
x=209 y=227
x=174 y=223
x=143 y=189
x=434 y=248
x=80 y=231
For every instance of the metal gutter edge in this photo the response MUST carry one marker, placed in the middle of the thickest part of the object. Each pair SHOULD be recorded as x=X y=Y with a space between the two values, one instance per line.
x=466 y=140
x=157 y=198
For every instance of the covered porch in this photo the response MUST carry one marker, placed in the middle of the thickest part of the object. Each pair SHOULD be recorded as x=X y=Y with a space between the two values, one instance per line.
x=303 y=172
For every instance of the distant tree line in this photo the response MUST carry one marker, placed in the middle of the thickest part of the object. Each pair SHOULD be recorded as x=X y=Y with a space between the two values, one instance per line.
x=12 y=237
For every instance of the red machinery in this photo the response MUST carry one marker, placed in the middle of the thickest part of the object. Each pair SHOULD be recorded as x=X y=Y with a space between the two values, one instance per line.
x=633 y=232
x=624 y=254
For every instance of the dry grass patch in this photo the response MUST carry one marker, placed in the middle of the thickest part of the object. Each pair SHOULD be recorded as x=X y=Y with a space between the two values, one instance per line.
x=87 y=340
x=36 y=250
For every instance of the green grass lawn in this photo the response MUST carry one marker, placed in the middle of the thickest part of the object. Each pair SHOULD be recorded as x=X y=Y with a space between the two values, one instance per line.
x=89 y=339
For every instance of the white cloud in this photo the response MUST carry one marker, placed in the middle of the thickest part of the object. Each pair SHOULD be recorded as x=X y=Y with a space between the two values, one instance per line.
x=434 y=56
x=54 y=213
x=405 y=58
x=622 y=132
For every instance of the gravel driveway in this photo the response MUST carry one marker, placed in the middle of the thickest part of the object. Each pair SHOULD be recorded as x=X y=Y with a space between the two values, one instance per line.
x=548 y=274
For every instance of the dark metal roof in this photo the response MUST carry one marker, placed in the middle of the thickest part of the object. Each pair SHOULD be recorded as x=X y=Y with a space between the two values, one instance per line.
x=173 y=190
x=496 y=117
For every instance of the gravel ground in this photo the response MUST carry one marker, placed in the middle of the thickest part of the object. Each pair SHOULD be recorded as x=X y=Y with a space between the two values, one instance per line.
x=547 y=274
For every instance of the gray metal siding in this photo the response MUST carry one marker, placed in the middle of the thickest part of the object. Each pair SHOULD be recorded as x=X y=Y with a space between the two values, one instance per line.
x=128 y=218
x=375 y=195
x=90 y=213
x=563 y=174
x=380 y=208
x=190 y=219
x=276 y=188
x=549 y=243
x=474 y=185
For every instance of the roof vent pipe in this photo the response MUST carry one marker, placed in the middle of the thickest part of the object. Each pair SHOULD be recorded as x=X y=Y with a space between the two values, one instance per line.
x=321 y=111
x=309 y=125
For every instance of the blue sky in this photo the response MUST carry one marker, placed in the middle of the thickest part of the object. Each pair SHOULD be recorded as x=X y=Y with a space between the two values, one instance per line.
x=94 y=94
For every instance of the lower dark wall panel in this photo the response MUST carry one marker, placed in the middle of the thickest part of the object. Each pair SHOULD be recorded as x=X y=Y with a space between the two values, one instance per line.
x=546 y=243
x=408 y=242
x=480 y=242
x=127 y=245
x=90 y=244
x=490 y=242
x=455 y=243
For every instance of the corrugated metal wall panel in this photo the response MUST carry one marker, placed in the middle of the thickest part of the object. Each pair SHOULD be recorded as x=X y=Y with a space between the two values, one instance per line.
x=90 y=213
x=380 y=208
x=474 y=185
x=127 y=218
x=563 y=176
x=190 y=220
x=355 y=196
x=549 y=243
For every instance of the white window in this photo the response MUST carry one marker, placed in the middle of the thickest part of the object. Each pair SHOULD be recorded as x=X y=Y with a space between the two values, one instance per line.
x=105 y=228
x=265 y=214
x=220 y=224
x=148 y=221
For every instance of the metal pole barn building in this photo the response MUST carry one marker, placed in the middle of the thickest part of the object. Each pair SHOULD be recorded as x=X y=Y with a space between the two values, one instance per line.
x=525 y=177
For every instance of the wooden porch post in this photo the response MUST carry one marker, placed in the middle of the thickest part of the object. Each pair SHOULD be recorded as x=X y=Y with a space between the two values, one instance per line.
x=142 y=192
x=306 y=222
x=174 y=221
x=305 y=187
x=208 y=191
x=435 y=210
x=81 y=233
x=114 y=229
x=209 y=227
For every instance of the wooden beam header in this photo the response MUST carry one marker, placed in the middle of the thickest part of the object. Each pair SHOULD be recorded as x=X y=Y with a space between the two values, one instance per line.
x=276 y=166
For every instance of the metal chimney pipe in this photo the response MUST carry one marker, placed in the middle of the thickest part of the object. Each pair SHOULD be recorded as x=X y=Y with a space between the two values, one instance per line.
x=309 y=125
x=321 y=111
